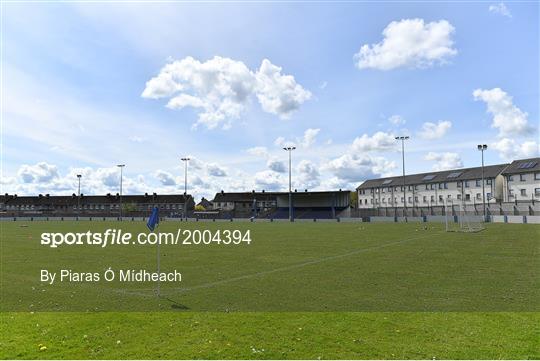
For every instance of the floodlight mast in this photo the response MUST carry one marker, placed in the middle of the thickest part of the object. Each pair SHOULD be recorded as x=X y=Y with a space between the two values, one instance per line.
x=121 y=166
x=79 y=197
x=482 y=148
x=403 y=139
x=185 y=160
x=290 y=149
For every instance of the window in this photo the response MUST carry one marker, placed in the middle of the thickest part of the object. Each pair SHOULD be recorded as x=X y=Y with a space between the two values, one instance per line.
x=410 y=199
x=459 y=196
x=440 y=186
x=522 y=177
x=537 y=192
x=449 y=196
x=454 y=175
x=424 y=199
x=427 y=187
x=523 y=192
x=441 y=198
x=510 y=178
x=433 y=186
x=478 y=196
x=371 y=201
x=488 y=196
x=527 y=165
x=416 y=187
x=467 y=197
x=488 y=181
x=432 y=198
x=416 y=199
x=445 y=185
x=466 y=184
x=478 y=183
x=537 y=176
x=402 y=199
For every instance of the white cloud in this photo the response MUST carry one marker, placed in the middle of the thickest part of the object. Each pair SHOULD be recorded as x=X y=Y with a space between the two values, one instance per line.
x=45 y=178
x=356 y=168
x=221 y=88
x=306 y=141
x=397 y=120
x=409 y=43
x=444 y=161
x=510 y=150
x=507 y=118
x=432 y=131
x=165 y=178
x=380 y=141
x=500 y=9
x=258 y=151
x=278 y=94
x=308 y=175
x=41 y=172
x=215 y=170
x=268 y=180
x=276 y=165
x=309 y=137
x=280 y=142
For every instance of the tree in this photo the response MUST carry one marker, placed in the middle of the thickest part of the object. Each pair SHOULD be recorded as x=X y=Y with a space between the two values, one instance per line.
x=199 y=208
x=353 y=200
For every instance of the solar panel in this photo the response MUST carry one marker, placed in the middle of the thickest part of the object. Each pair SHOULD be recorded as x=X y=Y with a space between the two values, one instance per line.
x=527 y=165
x=454 y=175
x=388 y=181
x=428 y=177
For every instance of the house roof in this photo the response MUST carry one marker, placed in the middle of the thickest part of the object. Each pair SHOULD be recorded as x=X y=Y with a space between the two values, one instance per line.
x=523 y=166
x=490 y=171
x=244 y=196
x=112 y=198
x=204 y=202
x=261 y=196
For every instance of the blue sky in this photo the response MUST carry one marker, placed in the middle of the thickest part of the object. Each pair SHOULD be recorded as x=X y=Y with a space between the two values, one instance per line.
x=76 y=97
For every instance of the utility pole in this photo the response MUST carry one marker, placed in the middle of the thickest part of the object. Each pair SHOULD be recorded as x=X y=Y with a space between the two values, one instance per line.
x=403 y=139
x=290 y=149
x=121 y=166
x=185 y=160
x=79 y=197
x=482 y=148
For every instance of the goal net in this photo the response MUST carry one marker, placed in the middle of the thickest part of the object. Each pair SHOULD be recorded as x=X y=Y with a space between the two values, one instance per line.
x=457 y=219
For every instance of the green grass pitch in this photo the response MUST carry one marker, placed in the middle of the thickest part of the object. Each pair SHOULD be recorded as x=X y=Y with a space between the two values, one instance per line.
x=300 y=290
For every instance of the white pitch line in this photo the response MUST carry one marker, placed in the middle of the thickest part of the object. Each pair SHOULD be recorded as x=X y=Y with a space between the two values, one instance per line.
x=275 y=270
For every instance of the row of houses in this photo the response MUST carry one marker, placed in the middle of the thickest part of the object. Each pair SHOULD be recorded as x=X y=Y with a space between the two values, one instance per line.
x=108 y=205
x=516 y=182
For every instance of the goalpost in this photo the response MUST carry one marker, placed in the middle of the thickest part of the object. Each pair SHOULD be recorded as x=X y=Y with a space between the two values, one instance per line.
x=457 y=220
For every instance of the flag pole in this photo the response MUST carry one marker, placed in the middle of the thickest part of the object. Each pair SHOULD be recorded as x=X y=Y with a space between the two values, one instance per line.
x=158 y=268
x=153 y=221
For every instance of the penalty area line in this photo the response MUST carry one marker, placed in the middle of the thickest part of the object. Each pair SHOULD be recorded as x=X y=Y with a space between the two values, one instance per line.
x=181 y=290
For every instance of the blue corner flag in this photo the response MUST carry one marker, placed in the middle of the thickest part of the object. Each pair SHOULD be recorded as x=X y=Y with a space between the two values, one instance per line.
x=153 y=221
